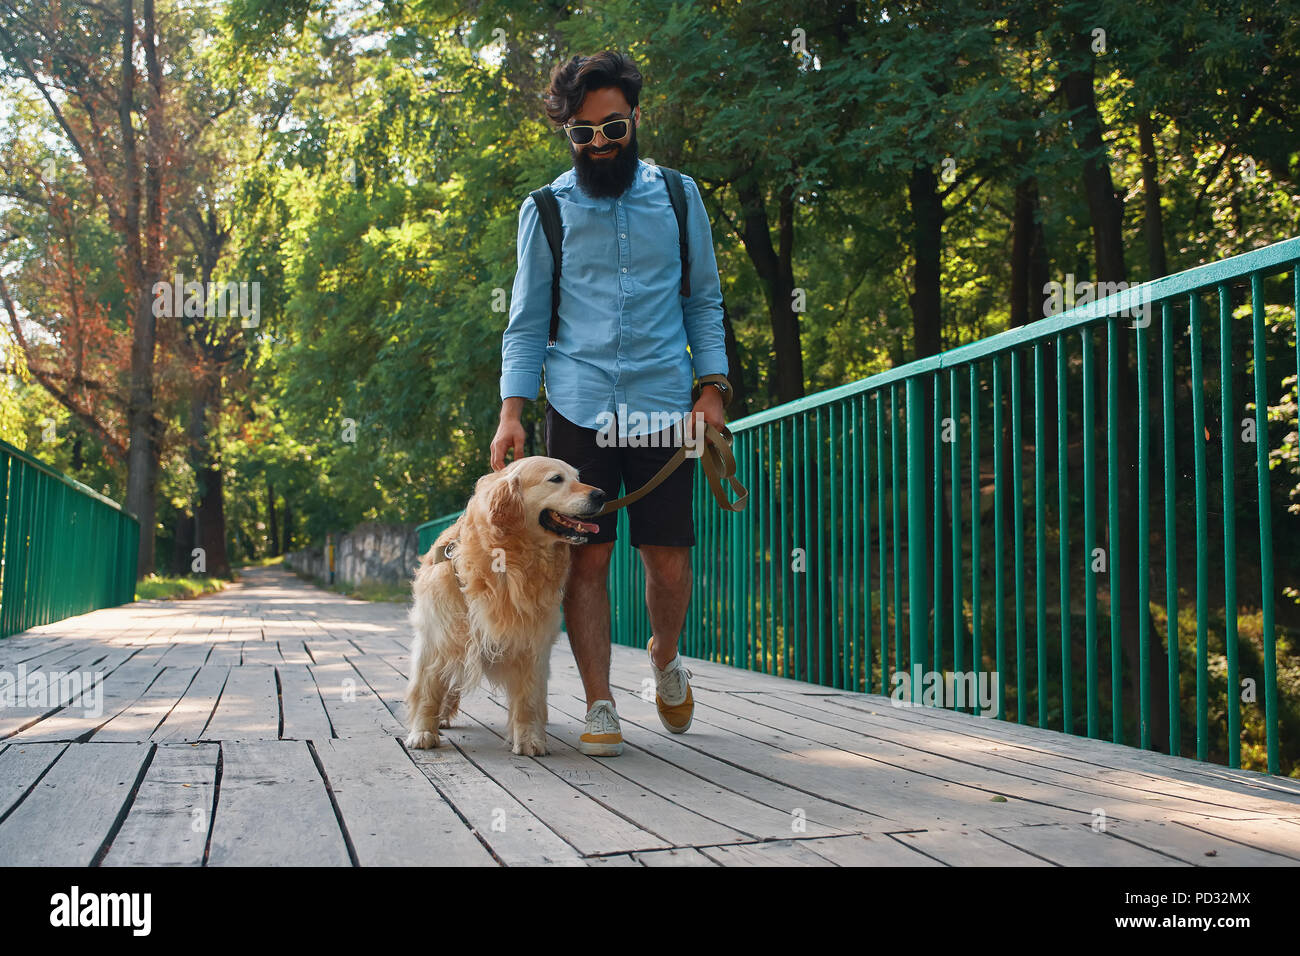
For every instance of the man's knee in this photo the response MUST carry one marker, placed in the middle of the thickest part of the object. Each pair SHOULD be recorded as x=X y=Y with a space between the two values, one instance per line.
x=591 y=560
x=667 y=567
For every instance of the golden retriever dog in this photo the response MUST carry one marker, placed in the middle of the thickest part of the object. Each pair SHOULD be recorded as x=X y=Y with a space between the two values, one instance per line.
x=492 y=608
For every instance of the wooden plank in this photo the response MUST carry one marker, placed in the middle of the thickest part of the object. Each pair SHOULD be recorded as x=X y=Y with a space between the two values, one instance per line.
x=191 y=714
x=1193 y=846
x=775 y=853
x=973 y=773
x=300 y=703
x=353 y=708
x=1273 y=836
x=261 y=652
x=120 y=688
x=968 y=847
x=617 y=859
x=168 y=822
x=186 y=655
x=90 y=665
x=392 y=813
x=226 y=653
x=387 y=683
x=752 y=818
x=20 y=767
x=1151 y=788
x=646 y=735
x=1097 y=754
x=249 y=708
x=581 y=820
x=138 y=721
x=515 y=834
x=293 y=652
x=67 y=817
x=326 y=651
x=869 y=850
x=663 y=819
x=273 y=809
x=686 y=856
x=1079 y=845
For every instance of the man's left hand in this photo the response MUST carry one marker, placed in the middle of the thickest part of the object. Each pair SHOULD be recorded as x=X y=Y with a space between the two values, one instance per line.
x=709 y=407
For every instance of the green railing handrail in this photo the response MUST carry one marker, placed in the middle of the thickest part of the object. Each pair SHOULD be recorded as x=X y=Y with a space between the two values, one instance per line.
x=64 y=548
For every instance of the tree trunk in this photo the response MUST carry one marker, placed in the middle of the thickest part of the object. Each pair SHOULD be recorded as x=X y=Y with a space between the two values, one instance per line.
x=181 y=556
x=273 y=529
x=287 y=524
x=775 y=271
x=1153 y=223
x=210 y=512
x=142 y=452
x=735 y=370
x=1022 y=227
x=927 y=240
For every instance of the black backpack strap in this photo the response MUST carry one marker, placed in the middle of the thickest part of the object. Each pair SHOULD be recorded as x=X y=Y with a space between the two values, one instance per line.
x=677 y=196
x=553 y=226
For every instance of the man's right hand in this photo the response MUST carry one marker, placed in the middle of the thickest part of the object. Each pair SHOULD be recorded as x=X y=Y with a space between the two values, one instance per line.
x=510 y=433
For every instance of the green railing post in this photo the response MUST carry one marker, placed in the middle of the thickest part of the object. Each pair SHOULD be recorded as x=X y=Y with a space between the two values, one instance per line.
x=1265 y=520
x=917 y=590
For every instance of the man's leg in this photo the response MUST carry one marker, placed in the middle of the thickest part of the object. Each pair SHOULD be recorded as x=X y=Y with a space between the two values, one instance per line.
x=586 y=617
x=667 y=593
x=586 y=594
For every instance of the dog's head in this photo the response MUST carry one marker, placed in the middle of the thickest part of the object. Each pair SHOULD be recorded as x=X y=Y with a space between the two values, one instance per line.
x=540 y=497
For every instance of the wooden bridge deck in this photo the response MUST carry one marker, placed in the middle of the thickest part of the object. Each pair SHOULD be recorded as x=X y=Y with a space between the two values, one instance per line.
x=262 y=726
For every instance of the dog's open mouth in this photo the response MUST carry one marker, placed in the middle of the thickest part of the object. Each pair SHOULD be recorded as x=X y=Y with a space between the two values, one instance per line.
x=569 y=527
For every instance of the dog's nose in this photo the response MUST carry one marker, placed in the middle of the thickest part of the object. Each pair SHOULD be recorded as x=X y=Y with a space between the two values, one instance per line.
x=596 y=495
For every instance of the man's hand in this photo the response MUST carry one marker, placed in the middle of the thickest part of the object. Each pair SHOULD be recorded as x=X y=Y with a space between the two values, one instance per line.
x=510 y=433
x=709 y=407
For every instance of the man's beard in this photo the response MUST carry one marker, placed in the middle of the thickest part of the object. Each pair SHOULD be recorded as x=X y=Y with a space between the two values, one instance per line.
x=608 y=177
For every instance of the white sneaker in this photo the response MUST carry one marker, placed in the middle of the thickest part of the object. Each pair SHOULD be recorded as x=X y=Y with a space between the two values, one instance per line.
x=673 y=697
x=603 y=736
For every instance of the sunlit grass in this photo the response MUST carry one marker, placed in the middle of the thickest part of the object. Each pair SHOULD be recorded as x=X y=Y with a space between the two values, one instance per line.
x=158 y=588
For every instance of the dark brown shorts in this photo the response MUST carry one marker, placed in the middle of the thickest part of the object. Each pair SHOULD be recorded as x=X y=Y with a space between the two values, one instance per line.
x=663 y=517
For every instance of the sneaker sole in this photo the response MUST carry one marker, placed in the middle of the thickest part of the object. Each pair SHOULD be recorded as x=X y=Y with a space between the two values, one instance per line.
x=599 y=750
x=676 y=730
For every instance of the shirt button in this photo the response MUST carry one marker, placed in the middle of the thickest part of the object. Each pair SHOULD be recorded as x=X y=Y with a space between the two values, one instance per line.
x=625 y=268
x=622 y=235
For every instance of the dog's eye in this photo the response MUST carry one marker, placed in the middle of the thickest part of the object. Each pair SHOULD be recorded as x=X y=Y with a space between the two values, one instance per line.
x=557 y=478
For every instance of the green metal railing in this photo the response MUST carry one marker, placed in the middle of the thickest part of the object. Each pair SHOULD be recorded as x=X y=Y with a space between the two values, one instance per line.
x=64 y=549
x=811 y=580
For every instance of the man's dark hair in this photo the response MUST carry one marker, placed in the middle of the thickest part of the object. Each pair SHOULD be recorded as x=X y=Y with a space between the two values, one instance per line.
x=572 y=81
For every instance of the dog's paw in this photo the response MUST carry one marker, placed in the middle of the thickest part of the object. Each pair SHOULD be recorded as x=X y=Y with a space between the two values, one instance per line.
x=530 y=744
x=422 y=740
x=444 y=721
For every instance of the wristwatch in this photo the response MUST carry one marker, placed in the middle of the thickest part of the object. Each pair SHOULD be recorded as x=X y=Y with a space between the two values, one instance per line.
x=717 y=381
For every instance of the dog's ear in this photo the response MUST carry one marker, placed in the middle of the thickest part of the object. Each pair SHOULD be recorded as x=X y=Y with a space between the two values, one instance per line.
x=506 y=504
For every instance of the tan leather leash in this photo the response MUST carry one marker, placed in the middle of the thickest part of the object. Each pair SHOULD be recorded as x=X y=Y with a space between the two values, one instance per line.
x=719 y=466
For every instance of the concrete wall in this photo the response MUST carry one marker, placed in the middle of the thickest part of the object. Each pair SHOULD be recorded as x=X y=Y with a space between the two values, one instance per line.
x=370 y=552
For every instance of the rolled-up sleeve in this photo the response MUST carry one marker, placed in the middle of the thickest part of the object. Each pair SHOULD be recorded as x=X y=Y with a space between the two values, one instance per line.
x=702 y=311
x=523 y=345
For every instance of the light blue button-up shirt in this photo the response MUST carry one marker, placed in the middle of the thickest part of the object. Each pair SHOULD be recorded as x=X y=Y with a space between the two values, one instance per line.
x=621 y=350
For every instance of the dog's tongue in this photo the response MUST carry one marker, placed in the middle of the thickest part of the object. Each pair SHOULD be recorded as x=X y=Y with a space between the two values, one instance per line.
x=588 y=527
